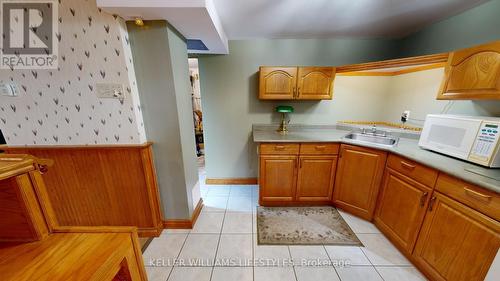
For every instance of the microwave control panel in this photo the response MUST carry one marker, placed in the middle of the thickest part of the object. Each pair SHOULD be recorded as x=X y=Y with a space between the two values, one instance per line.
x=486 y=141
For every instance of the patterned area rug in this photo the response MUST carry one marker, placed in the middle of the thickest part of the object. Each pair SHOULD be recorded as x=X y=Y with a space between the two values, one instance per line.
x=303 y=226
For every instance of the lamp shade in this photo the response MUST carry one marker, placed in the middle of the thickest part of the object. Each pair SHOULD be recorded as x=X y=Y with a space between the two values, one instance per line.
x=284 y=109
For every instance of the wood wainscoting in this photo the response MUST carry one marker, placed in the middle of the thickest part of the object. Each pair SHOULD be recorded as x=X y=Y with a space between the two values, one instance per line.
x=101 y=185
x=185 y=224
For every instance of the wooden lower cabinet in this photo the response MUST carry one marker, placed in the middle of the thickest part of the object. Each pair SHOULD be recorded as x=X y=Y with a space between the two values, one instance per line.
x=358 y=179
x=277 y=178
x=315 y=178
x=456 y=242
x=401 y=208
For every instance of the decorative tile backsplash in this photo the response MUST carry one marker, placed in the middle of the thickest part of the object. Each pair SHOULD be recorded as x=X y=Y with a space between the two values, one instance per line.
x=60 y=106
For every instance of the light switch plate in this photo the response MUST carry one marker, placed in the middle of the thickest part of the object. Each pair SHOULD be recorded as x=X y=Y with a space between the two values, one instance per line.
x=9 y=89
x=109 y=90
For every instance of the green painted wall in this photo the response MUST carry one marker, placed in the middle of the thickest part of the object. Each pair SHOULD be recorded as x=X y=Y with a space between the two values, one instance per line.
x=161 y=67
x=229 y=84
x=229 y=95
x=475 y=26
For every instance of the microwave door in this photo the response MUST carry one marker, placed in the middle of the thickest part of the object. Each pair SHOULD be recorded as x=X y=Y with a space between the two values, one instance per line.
x=453 y=137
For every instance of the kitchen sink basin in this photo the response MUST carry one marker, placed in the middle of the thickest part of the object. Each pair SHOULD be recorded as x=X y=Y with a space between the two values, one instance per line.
x=385 y=140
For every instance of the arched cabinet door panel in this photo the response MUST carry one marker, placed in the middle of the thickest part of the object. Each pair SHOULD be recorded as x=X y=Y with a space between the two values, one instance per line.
x=472 y=73
x=277 y=83
x=315 y=83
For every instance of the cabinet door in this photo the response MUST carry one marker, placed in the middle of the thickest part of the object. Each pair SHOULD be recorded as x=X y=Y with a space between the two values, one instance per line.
x=473 y=73
x=316 y=177
x=401 y=209
x=277 y=83
x=315 y=83
x=456 y=243
x=358 y=179
x=277 y=179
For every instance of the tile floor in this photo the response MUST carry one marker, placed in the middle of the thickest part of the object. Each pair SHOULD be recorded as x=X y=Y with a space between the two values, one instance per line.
x=223 y=242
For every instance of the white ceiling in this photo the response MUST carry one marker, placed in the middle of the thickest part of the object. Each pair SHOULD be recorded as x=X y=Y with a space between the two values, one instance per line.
x=194 y=19
x=246 y=19
x=216 y=21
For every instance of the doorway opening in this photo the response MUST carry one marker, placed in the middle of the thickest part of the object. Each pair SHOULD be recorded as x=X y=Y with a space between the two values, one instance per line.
x=194 y=78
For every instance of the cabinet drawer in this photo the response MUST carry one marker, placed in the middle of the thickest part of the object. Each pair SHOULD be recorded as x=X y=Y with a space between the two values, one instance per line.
x=319 y=148
x=413 y=170
x=279 y=148
x=484 y=201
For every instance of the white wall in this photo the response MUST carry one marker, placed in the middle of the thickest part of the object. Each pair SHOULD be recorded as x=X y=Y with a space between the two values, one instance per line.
x=60 y=106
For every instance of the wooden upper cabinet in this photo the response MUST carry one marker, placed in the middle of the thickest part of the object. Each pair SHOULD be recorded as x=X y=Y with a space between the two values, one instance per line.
x=277 y=83
x=472 y=73
x=455 y=242
x=315 y=83
x=316 y=177
x=401 y=208
x=302 y=83
x=358 y=179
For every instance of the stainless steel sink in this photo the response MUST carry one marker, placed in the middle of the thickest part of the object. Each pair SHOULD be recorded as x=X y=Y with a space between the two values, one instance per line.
x=385 y=140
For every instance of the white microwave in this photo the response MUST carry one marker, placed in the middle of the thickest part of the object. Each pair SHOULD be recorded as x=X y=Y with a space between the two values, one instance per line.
x=472 y=138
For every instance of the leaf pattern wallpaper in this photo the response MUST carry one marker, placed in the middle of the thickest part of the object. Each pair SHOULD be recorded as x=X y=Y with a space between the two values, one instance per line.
x=60 y=106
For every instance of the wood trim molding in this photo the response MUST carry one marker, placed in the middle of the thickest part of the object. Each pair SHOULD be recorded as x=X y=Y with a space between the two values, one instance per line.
x=242 y=181
x=82 y=146
x=185 y=224
x=395 y=73
x=420 y=60
x=366 y=73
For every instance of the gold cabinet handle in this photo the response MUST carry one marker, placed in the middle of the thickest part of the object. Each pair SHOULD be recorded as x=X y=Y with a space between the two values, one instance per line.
x=320 y=147
x=422 y=199
x=279 y=147
x=407 y=165
x=298 y=92
x=294 y=91
x=476 y=194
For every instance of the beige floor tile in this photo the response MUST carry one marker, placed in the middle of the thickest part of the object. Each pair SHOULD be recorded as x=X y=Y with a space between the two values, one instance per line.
x=174 y=231
x=308 y=255
x=214 y=204
x=358 y=273
x=164 y=249
x=158 y=273
x=190 y=274
x=400 y=273
x=240 y=204
x=236 y=249
x=380 y=251
x=241 y=191
x=359 y=225
x=237 y=223
x=274 y=274
x=270 y=255
x=218 y=190
x=199 y=248
x=232 y=274
x=349 y=255
x=209 y=222
x=316 y=274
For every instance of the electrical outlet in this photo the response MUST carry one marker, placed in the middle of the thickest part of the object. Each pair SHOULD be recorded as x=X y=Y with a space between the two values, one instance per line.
x=405 y=116
x=110 y=91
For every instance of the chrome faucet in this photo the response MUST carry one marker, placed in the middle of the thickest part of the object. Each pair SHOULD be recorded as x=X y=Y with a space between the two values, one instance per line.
x=374 y=129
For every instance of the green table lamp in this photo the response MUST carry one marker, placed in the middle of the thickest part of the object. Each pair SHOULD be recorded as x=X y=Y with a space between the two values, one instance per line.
x=283 y=109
